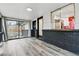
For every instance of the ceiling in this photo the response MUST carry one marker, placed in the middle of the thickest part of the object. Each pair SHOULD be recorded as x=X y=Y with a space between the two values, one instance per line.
x=18 y=10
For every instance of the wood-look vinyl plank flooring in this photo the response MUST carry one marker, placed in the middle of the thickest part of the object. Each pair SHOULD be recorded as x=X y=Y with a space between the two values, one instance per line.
x=31 y=47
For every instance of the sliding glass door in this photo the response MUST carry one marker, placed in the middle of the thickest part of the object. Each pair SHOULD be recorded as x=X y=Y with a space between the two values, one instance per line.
x=12 y=29
x=24 y=29
x=17 y=29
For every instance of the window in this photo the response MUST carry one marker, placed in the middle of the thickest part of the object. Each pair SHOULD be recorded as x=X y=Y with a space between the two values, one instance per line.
x=63 y=18
x=67 y=14
x=56 y=19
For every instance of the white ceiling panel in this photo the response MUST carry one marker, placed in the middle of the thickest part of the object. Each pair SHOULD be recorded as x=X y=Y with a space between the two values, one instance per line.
x=18 y=10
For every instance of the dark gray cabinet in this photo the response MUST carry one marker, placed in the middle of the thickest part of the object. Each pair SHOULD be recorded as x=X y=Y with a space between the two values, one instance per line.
x=68 y=40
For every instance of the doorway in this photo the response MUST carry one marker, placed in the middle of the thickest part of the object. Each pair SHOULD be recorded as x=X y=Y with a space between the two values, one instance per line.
x=40 y=27
x=17 y=29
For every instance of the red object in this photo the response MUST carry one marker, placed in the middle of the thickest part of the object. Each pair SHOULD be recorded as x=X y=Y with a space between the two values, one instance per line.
x=71 y=18
x=71 y=22
x=66 y=27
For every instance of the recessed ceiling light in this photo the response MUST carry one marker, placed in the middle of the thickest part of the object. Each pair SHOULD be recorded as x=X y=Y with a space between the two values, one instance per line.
x=29 y=9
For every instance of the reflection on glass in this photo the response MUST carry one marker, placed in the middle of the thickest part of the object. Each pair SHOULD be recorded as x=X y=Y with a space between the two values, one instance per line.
x=56 y=19
x=63 y=18
x=24 y=29
x=67 y=14
x=12 y=29
x=17 y=29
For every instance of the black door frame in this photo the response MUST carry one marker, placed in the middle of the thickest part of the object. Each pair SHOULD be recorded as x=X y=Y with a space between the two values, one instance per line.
x=38 y=26
x=1 y=30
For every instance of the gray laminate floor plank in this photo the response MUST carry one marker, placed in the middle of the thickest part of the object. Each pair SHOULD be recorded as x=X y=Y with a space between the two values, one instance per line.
x=31 y=47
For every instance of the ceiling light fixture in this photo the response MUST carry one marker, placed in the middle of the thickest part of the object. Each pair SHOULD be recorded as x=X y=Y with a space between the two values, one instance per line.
x=29 y=9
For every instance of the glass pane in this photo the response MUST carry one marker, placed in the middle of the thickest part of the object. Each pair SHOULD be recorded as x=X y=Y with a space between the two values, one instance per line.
x=40 y=27
x=67 y=11
x=12 y=29
x=17 y=29
x=56 y=16
x=24 y=29
x=67 y=14
x=63 y=18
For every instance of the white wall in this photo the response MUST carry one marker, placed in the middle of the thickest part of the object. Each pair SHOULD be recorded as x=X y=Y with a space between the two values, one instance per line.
x=47 y=21
x=76 y=16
